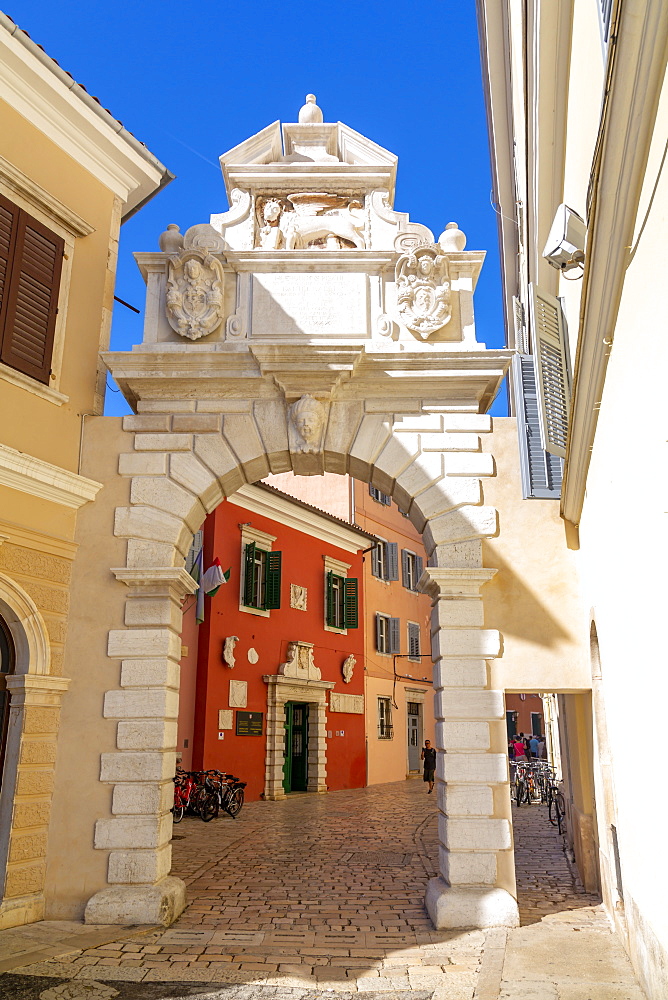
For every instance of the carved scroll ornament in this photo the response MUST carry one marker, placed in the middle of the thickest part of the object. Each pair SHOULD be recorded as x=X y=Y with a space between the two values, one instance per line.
x=194 y=303
x=423 y=290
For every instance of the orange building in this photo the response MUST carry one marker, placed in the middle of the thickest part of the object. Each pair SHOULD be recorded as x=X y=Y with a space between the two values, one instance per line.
x=397 y=649
x=525 y=714
x=273 y=681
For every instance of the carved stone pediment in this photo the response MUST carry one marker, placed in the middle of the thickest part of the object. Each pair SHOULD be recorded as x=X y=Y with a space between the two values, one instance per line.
x=194 y=302
x=300 y=662
x=423 y=290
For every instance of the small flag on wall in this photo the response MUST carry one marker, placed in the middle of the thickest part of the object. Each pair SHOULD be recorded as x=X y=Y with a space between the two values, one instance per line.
x=209 y=582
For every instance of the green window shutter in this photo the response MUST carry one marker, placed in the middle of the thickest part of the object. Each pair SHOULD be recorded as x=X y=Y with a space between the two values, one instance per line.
x=350 y=605
x=249 y=575
x=272 y=599
x=395 y=641
x=329 y=598
x=550 y=356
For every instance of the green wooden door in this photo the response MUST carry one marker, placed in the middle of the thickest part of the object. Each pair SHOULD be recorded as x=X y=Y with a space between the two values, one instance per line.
x=295 y=767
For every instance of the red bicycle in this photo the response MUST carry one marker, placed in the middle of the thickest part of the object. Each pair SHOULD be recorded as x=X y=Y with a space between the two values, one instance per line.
x=186 y=786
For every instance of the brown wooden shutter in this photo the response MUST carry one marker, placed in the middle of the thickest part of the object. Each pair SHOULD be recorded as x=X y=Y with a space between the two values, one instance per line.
x=9 y=217
x=32 y=299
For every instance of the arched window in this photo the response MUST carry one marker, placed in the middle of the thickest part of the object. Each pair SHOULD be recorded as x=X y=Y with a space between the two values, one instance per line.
x=7 y=660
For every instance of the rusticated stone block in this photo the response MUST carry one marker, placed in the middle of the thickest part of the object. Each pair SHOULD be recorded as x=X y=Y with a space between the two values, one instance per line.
x=28 y=846
x=48 y=598
x=32 y=782
x=149 y=422
x=142 y=464
x=38 y=752
x=31 y=814
x=24 y=880
x=43 y=565
x=163 y=442
x=56 y=629
x=195 y=423
x=40 y=719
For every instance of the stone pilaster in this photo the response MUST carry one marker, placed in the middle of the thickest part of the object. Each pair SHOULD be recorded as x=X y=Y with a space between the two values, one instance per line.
x=474 y=829
x=138 y=834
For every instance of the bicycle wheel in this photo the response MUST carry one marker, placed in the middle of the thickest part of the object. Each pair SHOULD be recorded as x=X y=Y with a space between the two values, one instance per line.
x=552 y=809
x=561 y=812
x=520 y=791
x=177 y=813
x=208 y=806
x=235 y=802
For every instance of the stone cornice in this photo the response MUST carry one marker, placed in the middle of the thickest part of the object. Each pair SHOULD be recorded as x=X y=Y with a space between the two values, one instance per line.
x=157 y=581
x=292 y=515
x=460 y=379
x=439 y=583
x=27 y=474
x=16 y=181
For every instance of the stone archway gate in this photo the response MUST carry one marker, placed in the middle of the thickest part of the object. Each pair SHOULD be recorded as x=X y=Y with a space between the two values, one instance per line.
x=307 y=359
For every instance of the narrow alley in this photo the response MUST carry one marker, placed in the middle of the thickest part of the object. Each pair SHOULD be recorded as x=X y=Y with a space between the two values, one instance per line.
x=297 y=899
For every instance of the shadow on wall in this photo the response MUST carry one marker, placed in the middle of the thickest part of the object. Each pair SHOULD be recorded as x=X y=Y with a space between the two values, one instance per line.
x=515 y=607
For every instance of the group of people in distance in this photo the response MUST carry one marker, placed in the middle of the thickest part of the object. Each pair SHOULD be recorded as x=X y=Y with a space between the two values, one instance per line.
x=521 y=747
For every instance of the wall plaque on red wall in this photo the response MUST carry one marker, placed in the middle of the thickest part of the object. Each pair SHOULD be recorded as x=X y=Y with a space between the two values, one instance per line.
x=249 y=723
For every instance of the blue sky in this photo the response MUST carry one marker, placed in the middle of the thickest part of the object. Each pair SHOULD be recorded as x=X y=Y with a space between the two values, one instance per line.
x=193 y=80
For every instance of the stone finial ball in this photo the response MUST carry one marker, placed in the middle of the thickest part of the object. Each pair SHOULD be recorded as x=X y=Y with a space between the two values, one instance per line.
x=310 y=113
x=452 y=239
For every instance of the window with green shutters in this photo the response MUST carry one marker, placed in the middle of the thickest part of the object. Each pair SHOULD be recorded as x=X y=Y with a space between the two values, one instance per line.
x=341 y=596
x=262 y=578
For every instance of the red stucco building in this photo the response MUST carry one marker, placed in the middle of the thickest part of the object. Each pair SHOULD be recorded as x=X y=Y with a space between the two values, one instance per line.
x=273 y=679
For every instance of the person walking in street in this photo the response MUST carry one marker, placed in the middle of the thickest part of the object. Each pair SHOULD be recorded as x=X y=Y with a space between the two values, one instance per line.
x=520 y=752
x=428 y=755
x=533 y=746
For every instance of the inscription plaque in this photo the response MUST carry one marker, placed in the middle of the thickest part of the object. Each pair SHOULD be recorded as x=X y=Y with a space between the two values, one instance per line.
x=292 y=304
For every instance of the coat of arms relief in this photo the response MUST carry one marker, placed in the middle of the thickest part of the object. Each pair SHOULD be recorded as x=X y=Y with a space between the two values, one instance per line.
x=194 y=302
x=316 y=220
x=423 y=290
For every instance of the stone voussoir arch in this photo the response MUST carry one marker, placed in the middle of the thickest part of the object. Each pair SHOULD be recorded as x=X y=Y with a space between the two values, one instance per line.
x=187 y=457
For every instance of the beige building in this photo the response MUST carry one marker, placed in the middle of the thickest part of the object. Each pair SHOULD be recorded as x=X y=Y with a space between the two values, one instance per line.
x=578 y=116
x=69 y=174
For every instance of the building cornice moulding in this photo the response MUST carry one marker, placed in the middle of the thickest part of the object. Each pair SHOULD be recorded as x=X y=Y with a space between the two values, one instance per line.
x=283 y=511
x=27 y=474
x=635 y=88
x=28 y=538
x=48 y=97
x=25 y=187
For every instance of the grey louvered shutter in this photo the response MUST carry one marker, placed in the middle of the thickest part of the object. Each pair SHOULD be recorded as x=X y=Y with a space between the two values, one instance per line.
x=550 y=355
x=393 y=631
x=405 y=577
x=375 y=560
x=413 y=640
x=378 y=634
x=419 y=569
x=541 y=472
x=392 y=560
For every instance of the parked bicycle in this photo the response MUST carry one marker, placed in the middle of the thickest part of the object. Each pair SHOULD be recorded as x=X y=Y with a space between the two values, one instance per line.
x=220 y=791
x=205 y=793
x=186 y=788
x=556 y=806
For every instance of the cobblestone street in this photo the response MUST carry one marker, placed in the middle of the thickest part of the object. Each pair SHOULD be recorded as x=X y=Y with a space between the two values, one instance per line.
x=316 y=894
